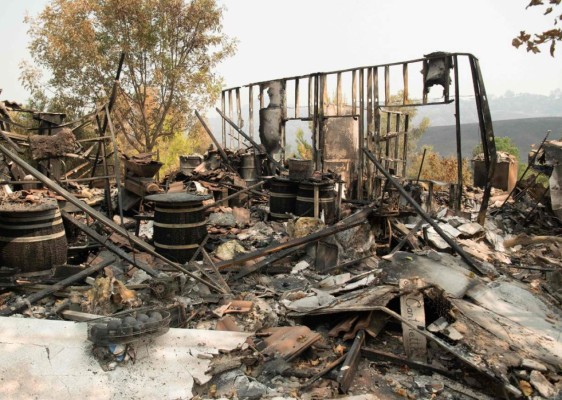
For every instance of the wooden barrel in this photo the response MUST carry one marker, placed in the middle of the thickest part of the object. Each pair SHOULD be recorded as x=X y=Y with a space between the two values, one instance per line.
x=179 y=224
x=282 y=197
x=32 y=236
x=326 y=200
x=189 y=163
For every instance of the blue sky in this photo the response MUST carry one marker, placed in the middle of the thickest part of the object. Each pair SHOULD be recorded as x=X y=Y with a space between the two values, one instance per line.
x=290 y=37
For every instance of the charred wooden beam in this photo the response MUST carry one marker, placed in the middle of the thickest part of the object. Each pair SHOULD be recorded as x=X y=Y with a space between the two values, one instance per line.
x=377 y=355
x=215 y=141
x=104 y=241
x=349 y=367
x=266 y=261
x=348 y=223
x=249 y=139
x=248 y=189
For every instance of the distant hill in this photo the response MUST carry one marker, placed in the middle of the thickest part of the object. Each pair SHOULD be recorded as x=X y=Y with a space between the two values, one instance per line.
x=523 y=132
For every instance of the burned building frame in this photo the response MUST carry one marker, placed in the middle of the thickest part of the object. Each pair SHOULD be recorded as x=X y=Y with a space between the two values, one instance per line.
x=372 y=106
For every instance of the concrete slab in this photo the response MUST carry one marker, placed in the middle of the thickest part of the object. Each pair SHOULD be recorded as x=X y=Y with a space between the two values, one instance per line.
x=53 y=360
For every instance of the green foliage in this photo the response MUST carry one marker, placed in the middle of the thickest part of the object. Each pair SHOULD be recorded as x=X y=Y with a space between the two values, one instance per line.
x=553 y=35
x=304 y=148
x=503 y=143
x=172 y=47
x=195 y=141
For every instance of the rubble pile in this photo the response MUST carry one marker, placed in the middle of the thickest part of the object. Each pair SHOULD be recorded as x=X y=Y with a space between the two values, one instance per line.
x=234 y=277
x=418 y=323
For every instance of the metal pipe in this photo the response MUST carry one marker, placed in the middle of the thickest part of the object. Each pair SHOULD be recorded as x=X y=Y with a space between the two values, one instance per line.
x=215 y=141
x=421 y=165
x=249 y=139
x=458 y=134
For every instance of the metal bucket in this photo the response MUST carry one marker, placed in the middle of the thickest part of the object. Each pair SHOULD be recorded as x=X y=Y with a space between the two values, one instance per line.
x=326 y=200
x=189 y=163
x=248 y=170
x=32 y=237
x=179 y=224
x=282 y=198
x=300 y=169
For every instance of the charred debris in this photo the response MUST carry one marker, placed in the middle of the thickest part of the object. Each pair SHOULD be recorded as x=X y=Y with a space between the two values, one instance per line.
x=268 y=276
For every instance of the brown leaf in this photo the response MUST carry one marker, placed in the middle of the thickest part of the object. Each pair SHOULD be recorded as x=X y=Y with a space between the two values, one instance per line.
x=535 y=3
x=548 y=11
x=552 y=47
x=516 y=43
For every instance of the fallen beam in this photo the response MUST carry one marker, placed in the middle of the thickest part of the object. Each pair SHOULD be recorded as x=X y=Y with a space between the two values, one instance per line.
x=22 y=304
x=424 y=215
x=478 y=366
x=349 y=367
x=233 y=195
x=215 y=141
x=104 y=241
x=409 y=237
x=249 y=139
x=266 y=261
x=377 y=355
x=348 y=223
x=324 y=371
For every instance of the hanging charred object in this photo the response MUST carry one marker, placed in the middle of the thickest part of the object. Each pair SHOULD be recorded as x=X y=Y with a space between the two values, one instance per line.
x=436 y=71
x=271 y=118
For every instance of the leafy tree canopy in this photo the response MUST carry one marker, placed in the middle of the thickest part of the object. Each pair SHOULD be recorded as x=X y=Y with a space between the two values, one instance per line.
x=553 y=35
x=171 y=46
x=502 y=144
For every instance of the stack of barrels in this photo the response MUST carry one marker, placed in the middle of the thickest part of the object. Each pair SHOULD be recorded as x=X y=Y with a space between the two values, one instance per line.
x=297 y=194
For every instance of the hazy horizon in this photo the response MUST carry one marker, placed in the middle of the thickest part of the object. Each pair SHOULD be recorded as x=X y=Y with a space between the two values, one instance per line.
x=280 y=39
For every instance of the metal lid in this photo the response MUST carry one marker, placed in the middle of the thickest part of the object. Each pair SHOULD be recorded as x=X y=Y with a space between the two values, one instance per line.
x=43 y=204
x=178 y=198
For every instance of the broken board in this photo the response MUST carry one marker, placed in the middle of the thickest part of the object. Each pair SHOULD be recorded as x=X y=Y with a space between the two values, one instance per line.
x=412 y=309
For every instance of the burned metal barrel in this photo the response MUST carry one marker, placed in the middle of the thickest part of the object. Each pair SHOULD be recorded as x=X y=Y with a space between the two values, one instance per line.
x=324 y=194
x=300 y=169
x=32 y=236
x=282 y=198
x=248 y=170
x=179 y=224
x=189 y=163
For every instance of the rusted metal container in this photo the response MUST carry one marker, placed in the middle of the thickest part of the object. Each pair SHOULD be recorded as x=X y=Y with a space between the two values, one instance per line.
x=143 y=170
x=300 y=169
x=248 y=170
x=32 y=236
x=505 y=173
x=179 y=224
x=326 y=200
x=282 y=197
x=189 y=163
